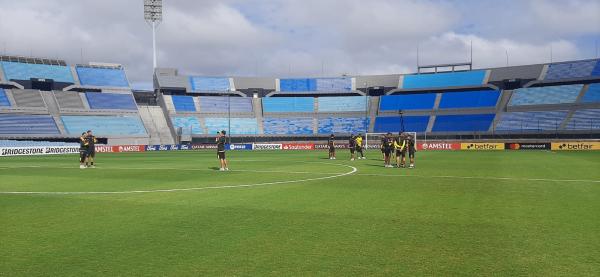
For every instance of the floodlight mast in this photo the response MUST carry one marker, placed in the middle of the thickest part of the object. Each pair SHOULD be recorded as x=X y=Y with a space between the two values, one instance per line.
x=153 y=15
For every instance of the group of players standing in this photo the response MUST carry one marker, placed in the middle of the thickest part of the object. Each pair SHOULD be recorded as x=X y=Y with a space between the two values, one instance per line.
x=87 y=150
x=397 y=146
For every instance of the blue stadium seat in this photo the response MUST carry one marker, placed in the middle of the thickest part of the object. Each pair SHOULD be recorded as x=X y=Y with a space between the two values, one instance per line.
x=588 y=119
x=183 y=103
x=108 y=101
x=393 y=124
x=343 y=125
x=340 y=84
x=424 y=101
x=4 y=99
x=217 y=84
x=545 y=95
x=189 y=125
x=239 y=126
x=27 y=125
x=596 y=71
x=30 y=143
x=102 y=77
x=297 y=85
x=531 y=121
x=288 y=104
x=463 y=123
x=469 y=99
x=592 y=95
x=343 y=104
x=288 y=126
x=27 y=71
x=569 y=70
x=220 y=104
x=104 y=125
x=448 y=79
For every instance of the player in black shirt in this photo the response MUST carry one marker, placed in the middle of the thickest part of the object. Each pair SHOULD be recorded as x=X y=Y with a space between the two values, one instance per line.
x=410 y=147
x=221 y=140
x=388 y=145
x=331 y=145
x=91 y=149
x=352 y=146
x=382 y=147
x=82 y=150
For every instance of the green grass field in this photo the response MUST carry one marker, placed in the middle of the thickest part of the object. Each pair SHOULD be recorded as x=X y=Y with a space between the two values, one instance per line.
x=457 y=213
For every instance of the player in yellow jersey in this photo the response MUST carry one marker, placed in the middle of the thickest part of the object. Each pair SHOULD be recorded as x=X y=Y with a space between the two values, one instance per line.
x=359 y=147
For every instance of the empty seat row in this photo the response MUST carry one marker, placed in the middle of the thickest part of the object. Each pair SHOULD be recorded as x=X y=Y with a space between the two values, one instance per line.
x=18 y=124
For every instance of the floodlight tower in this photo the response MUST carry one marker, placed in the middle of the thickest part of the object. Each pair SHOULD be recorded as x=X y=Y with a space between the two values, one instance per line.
x=153 y=15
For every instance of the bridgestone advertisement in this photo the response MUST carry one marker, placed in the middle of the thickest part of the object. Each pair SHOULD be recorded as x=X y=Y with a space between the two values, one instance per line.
x=267 y=146
x=30 y=151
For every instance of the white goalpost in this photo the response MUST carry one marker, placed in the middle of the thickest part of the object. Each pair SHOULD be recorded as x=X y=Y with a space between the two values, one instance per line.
x=373 y=140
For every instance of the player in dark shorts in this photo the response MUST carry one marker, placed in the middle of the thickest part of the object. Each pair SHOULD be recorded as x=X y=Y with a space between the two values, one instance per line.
x=359 y=146
x=382 y=147
x=352 y=146
x=400 y=146
x=91 y=149
x=388 y=145
x=331 y=145
x=82 y=150
x=221 y=140
x=410 y=147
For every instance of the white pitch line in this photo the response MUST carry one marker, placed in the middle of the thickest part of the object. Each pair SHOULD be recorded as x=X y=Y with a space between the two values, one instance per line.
x=170 y=169
x=483 y=178
x=354 y=169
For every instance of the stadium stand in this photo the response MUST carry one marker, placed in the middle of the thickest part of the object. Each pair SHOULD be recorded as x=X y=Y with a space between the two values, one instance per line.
x=104 y=125
x=288 y=126
x=220 y=104
x=407 y=102
x=239 y=126
x=4 y=102
x=463 y=123
x=587 y=119
x=188 y=125
x=28 y=143
x=469 y=99
x=592 y=95
x=110 y=101
x=28 y=99
x=343 y=125
x=69 y=100
x=569 y=70
x=531 y=121
x=394 y=124
x=341 y=84
x=343 y=104
x=288 y=104
x=448 y=79
x=101 y=77
x=183 y=103
x=20 y=124
x=208 y=84
x=27 y=71
x=545 y=95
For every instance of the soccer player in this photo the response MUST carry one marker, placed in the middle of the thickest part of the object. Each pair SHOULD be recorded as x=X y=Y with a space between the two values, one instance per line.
x=82 y=150
x=91 y=149
x=382 y=147
x=359 y=146
x=400 y=146
x=352 y=146
x=388 y=145
x=331 y=144
x=410 y=140
x=221 y=139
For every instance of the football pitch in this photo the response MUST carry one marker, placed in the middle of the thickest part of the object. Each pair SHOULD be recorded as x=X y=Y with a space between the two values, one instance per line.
x=297 y=213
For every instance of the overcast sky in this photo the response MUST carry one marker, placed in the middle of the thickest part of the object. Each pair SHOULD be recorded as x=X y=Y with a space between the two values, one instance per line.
x=301 y=37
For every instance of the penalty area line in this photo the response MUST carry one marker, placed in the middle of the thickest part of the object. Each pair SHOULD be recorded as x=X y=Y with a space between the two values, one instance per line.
x=483 y=178
x=352 y=171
